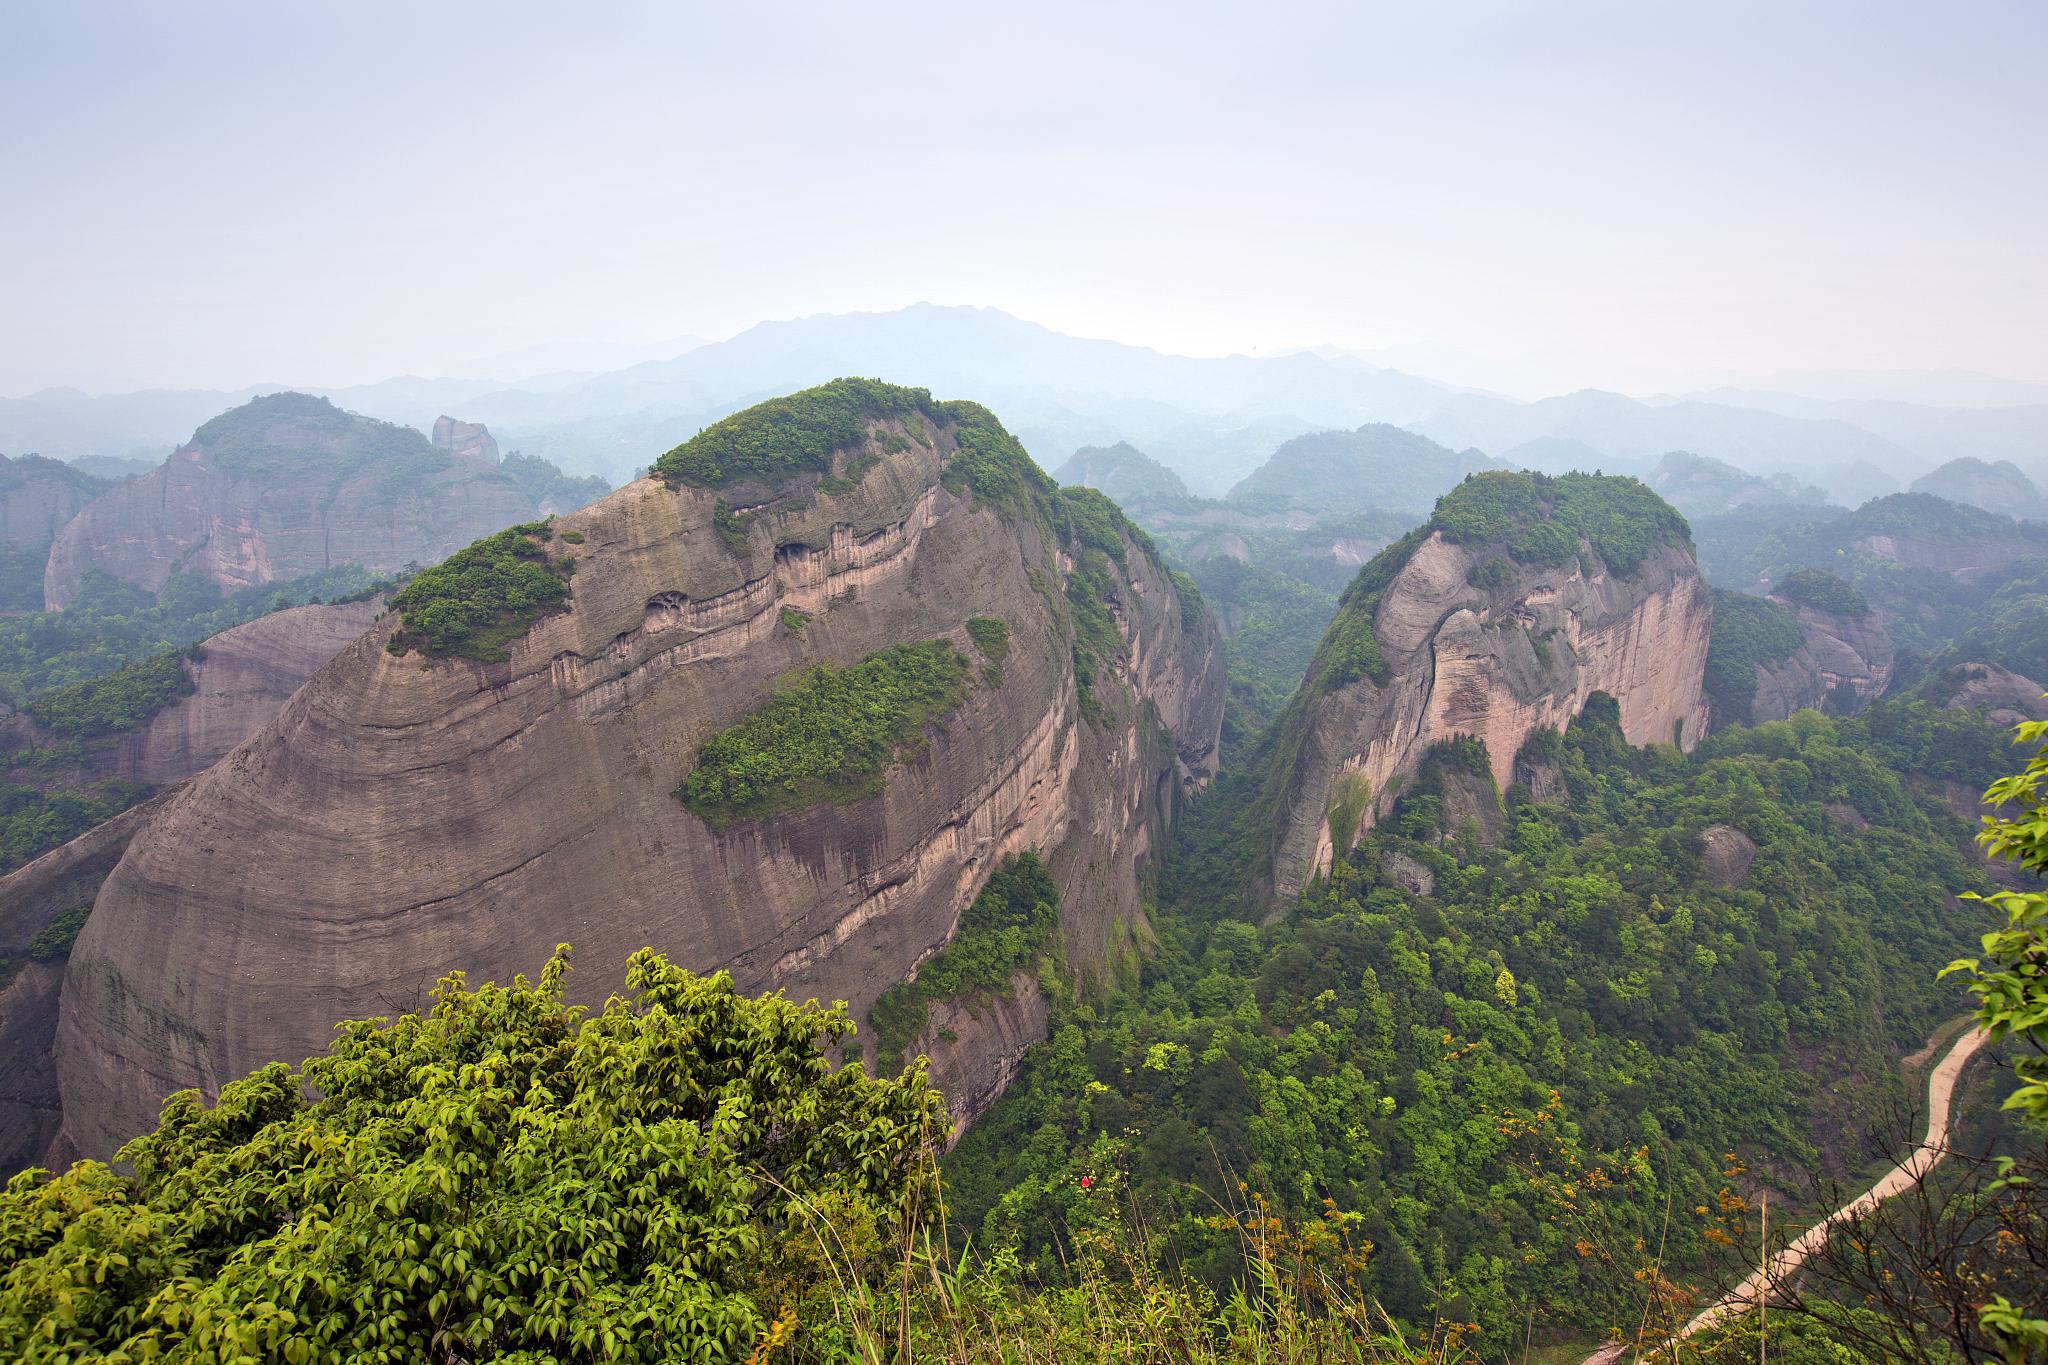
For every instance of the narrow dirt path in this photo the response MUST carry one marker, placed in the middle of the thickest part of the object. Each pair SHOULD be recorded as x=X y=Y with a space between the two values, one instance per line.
x=1941 y=1085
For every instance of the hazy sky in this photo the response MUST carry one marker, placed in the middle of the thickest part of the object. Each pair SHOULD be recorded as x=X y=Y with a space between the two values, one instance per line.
x=1633 y=195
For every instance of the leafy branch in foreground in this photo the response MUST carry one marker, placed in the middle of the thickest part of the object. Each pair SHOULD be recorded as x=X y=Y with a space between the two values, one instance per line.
x=502 y=1177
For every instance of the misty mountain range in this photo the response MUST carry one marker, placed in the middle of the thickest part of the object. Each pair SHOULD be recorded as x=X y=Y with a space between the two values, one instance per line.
x=1213 y=421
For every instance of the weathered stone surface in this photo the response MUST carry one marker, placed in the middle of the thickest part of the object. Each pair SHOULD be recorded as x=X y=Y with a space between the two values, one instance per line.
x=1727 y=853
x=240 y=679
x=281 y=487
x=977 y=1045
x=2006 y=697
x=1852 y=650
x=1408 y=874
x=1498 y=666
x=470 y=442
x=404 y=817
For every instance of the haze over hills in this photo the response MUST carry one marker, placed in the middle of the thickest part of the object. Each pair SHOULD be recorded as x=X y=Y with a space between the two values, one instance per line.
x=1211 y=420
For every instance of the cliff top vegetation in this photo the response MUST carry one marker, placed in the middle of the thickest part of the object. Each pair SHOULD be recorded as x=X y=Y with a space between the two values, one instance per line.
x=481 y=598
x=795 y=434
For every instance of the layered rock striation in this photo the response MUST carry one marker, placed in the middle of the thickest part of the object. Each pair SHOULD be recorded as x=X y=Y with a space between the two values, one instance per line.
x=284 y=486
x=407 y=815
x=1496 y=621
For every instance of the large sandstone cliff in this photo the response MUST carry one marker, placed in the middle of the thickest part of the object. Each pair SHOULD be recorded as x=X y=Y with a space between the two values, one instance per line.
x=284 y=486
x=1498 y=663
x=405 y=816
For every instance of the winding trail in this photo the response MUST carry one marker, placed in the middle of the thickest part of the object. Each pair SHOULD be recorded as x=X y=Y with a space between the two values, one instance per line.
x=1941 y=1084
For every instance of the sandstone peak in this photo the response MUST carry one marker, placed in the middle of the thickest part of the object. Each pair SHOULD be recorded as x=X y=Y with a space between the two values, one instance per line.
x=1520 y=598
x=283 y=486
x=467 y=441
x=469 y=808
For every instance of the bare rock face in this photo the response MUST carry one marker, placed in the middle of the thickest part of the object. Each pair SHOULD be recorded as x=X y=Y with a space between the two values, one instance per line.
x=2006 y=697
x=1727 y=853
x=30 y=897
x=1498 y=664
x=978 y=1045
x=405 y=816
x=280 y=487
x=1844 y=658
x=470 y=442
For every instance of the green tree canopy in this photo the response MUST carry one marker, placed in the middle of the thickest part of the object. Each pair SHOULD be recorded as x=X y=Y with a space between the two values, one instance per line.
x=502 y=1177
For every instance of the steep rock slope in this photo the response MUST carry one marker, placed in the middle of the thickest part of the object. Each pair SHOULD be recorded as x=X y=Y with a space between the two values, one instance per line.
x=408 y=815
x=37 y=496
x=1520 y=598
x=283 y=486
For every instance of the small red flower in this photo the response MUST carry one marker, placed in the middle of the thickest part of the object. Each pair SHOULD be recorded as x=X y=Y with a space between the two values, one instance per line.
x=1086 y=1181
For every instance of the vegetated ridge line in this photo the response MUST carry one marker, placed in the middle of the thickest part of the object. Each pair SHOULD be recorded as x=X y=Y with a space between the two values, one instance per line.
x=1941 y=1084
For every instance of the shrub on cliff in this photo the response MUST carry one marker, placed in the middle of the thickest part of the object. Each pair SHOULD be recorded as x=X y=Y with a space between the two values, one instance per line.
x=481 y=598
x=827 y=737
x=797 y=434
x=1003 y=931
x=502 y=1177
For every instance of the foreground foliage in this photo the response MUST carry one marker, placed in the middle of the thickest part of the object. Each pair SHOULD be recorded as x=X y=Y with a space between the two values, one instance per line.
x=504 y=1177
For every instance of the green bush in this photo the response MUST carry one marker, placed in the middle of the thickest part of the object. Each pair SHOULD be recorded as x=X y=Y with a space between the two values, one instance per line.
x=113 y=701
x=991 y=636
x=1821 y=590
x=797 y=434
x=481 y=598
x=504 y=1177
x=1006 y=929
x=827 y=737
x=990 y=463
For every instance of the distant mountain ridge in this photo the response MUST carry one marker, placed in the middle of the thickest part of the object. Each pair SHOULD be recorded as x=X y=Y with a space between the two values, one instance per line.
x=288 y=485
x=1210 y=419
x=1377 y=467
x=1994 y=486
